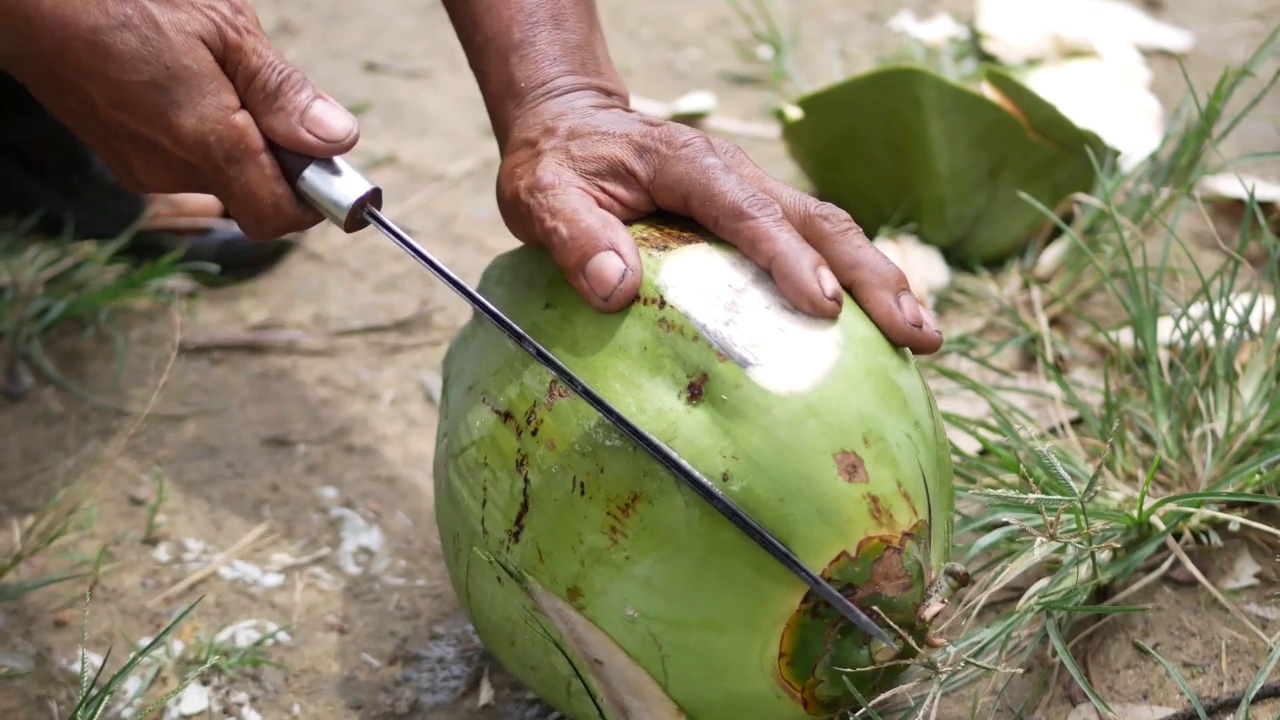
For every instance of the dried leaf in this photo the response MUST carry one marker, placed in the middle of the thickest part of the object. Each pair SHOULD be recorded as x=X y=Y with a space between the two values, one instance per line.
x=1244 y=572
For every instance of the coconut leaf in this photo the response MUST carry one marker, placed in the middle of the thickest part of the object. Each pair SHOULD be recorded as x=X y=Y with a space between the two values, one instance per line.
x=904 y=146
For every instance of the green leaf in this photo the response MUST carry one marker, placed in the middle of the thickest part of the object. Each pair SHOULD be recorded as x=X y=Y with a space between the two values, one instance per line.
x=10 y=592
x=903 y=146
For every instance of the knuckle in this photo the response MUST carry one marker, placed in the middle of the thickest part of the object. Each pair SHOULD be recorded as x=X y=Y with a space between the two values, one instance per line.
x=833 y=220
x=690 y=144
x=273 y=77
x=753 y=206
x=731 y=153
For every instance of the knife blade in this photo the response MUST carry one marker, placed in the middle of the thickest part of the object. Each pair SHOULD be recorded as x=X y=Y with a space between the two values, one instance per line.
x=352 y=202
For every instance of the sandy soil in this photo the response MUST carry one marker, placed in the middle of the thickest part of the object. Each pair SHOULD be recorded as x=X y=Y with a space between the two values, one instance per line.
x=285 y=436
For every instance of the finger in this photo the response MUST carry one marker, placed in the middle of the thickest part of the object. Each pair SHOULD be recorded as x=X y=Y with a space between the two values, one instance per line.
x=286 y=105
x=693 y=180
x=183 y=205
x=878 y=285
x=240 y=169
x=277 y=101
x=592 y=247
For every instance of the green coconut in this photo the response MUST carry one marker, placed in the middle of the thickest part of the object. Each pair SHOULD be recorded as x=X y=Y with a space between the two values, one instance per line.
x=613 y=591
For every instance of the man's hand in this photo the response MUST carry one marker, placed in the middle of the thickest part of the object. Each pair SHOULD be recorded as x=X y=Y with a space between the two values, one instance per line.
x=576 y=166
x=177 y=96
x=577 y=163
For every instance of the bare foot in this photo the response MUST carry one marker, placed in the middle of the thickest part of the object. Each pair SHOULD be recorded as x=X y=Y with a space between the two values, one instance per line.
x=185 y=212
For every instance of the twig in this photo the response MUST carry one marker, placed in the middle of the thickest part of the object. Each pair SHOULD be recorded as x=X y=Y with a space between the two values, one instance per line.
x=222 y=558
x=397 y=323
x=261 y=340
x=1226 y=702
x=714 y=123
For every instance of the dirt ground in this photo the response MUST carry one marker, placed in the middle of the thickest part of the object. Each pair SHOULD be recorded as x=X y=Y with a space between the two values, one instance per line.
x=284 y=437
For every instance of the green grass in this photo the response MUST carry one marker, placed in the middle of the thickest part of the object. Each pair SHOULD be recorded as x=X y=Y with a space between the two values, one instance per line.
x=56 y=284
x=50 y=287
x=228 y=659
x=1100 y=462
x=1141 y=449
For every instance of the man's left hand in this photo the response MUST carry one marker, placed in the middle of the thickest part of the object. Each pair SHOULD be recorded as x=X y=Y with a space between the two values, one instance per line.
x=578 y=166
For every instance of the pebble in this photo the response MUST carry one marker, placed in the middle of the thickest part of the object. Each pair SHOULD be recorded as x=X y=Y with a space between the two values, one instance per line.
x=193 y=700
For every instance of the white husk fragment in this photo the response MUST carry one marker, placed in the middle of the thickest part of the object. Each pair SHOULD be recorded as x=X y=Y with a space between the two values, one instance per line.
x=1108 y=95
x=1233 y=186
x=1199 y=320
x=926 y=269
x=1085 y=58
x=697 y=103
x=1022 y=31
x=193 y=700
x=934 y=31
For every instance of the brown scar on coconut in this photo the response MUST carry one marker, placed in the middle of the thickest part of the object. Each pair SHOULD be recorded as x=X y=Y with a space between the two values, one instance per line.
x=953 y=578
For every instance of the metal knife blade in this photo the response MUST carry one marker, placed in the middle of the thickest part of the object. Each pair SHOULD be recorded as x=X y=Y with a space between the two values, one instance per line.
x=350 y=201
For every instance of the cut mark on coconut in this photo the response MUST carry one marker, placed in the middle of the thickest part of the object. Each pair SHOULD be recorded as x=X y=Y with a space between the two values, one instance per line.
x=851 y=467
x=737 y=306
x=819 y=651
x=696 y=388
x=627 y=690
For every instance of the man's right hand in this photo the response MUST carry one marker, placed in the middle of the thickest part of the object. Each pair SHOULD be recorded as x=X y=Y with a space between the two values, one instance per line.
x=178 y=96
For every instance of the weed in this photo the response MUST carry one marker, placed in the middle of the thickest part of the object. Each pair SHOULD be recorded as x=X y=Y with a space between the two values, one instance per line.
x=770 y=45
x=149 y=535
x=227 y=657
x=1175 y=433
x=50 y=283
x=96 y=700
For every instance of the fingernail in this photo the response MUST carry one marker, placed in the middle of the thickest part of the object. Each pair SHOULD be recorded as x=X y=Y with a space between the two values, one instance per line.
x=931 y=323
x=910 y=308
x=604 y=273
x=328 y=121
x=829 y=284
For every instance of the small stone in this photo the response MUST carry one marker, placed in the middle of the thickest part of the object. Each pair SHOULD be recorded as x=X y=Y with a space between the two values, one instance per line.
x=140 y=495
x=193 y=700
x=335 y=623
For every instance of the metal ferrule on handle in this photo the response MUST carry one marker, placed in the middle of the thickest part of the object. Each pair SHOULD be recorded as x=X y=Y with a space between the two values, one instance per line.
x=330 y=185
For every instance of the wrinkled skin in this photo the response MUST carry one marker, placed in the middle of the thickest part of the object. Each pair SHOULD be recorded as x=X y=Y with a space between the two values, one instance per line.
x=180 y=96
x=177 y=96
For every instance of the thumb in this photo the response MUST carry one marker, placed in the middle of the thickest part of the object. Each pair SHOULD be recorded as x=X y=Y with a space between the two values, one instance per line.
x=288 y=108
x=592 y=247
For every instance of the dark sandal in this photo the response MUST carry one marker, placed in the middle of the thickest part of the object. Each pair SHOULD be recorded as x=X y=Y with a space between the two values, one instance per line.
x=55 y=184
